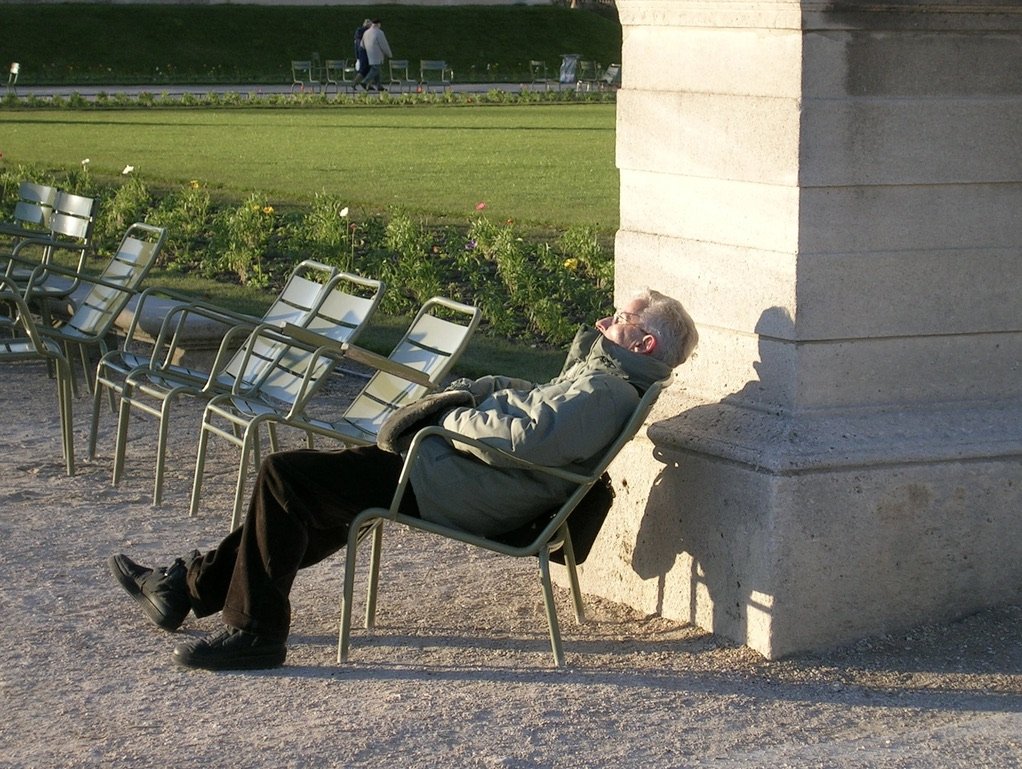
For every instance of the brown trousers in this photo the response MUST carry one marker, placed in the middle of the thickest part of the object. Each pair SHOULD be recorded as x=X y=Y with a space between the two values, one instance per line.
x=302 y=506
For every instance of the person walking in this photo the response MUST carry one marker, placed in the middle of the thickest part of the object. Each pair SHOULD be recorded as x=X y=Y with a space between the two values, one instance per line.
x=361 y=60
x=377 y=51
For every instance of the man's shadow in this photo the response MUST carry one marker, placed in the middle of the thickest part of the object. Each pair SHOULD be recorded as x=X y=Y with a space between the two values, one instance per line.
x=675 y=526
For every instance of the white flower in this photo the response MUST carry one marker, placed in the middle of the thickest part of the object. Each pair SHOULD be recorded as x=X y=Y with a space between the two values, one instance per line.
x=85 y=162
x=127 y=170
x=344 y=211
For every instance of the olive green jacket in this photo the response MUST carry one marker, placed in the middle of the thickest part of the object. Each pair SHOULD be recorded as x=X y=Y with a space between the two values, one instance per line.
x=567 y=422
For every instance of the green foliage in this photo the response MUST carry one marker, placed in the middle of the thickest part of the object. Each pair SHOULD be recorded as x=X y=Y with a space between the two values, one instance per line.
x=187 y=215
x=239 y=43
x=241 y=239
x=129 y=203
x=528 y=289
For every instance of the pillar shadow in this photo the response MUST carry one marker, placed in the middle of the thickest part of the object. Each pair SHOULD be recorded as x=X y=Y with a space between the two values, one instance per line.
x=675 y=524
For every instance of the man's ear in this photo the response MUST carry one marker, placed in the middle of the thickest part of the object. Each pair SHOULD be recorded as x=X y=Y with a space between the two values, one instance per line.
x=646 y=345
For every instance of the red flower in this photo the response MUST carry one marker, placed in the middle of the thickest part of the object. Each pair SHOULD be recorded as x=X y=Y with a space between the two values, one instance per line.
x=480 y=206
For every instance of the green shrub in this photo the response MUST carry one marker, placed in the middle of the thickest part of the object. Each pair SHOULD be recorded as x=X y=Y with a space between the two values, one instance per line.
x=529 y=290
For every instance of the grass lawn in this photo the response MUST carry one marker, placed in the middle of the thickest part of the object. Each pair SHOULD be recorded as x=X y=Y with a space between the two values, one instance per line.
x=541 y=165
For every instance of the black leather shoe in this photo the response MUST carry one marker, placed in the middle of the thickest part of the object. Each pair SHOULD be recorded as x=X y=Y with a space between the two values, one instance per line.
x=162 y=593
x=231 y=649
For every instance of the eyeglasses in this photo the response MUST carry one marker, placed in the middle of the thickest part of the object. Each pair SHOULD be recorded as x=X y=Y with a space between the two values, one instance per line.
x=621 y=318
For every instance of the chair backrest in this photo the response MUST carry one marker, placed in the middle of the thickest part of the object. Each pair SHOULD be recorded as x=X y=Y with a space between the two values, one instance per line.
x=333 y=70
x=530 y=539
x=71 y=223
x=73 y=217
x=399 y=69
x=118 y=282
x=300 y=295
x=433 y=343
x=302 y=72
x=297 y=302
x=435 y=71
x=632 y=426
x=35 y=205
x=612 y=76
x=342 y=316
x=587 y=70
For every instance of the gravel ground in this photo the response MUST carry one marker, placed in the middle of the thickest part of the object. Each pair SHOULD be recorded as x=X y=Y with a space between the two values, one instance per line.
x=458 y=671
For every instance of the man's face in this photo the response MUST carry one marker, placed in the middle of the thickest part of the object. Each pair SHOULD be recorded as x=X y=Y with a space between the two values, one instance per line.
x=623 y=327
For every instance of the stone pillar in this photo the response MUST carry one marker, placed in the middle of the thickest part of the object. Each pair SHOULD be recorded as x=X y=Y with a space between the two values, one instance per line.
x=834 y=189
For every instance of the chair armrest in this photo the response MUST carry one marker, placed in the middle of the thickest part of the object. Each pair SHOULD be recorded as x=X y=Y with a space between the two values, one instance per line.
x=361 y=355
x=47 y=243
x=168 y=340
x=9 y=292
x=157 y=292
x=41 y=270
x=11 y=230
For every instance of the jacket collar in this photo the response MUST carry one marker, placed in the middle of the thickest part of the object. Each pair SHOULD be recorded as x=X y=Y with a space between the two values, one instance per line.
x=592 y=350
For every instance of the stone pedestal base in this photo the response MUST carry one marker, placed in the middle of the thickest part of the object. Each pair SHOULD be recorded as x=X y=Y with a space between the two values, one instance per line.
x=794 y=534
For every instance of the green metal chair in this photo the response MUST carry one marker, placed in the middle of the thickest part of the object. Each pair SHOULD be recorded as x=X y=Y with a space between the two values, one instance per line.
x=70 y=229
x=92 y=320
x=336 y=73
x=424 y=355
x=303 y=74
x=25 y=343
x=435 y=72
x=400 y=77
x=552 y=529
x=244 y=359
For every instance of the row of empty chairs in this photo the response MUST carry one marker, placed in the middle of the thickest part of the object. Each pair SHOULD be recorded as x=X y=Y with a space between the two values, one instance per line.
x=268 y=370
x=308 y=75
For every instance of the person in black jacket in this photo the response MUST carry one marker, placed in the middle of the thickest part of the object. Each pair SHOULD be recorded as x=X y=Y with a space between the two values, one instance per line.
x=361 y=57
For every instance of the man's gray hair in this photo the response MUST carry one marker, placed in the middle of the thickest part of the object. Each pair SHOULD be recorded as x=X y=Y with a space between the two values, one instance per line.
x=671 y=324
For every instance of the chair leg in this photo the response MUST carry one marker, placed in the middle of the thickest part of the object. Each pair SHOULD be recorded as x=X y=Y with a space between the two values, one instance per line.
x=71 y=369
x=120 y=443
x=200 y=465
x=161 y=452
x=84 y=355
x=374 y=575
x=250 y=443
x=551 y=608
x=576 y=591
x=66 y=418
x=97 y=397
x=274 y=443
x=347 y=596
